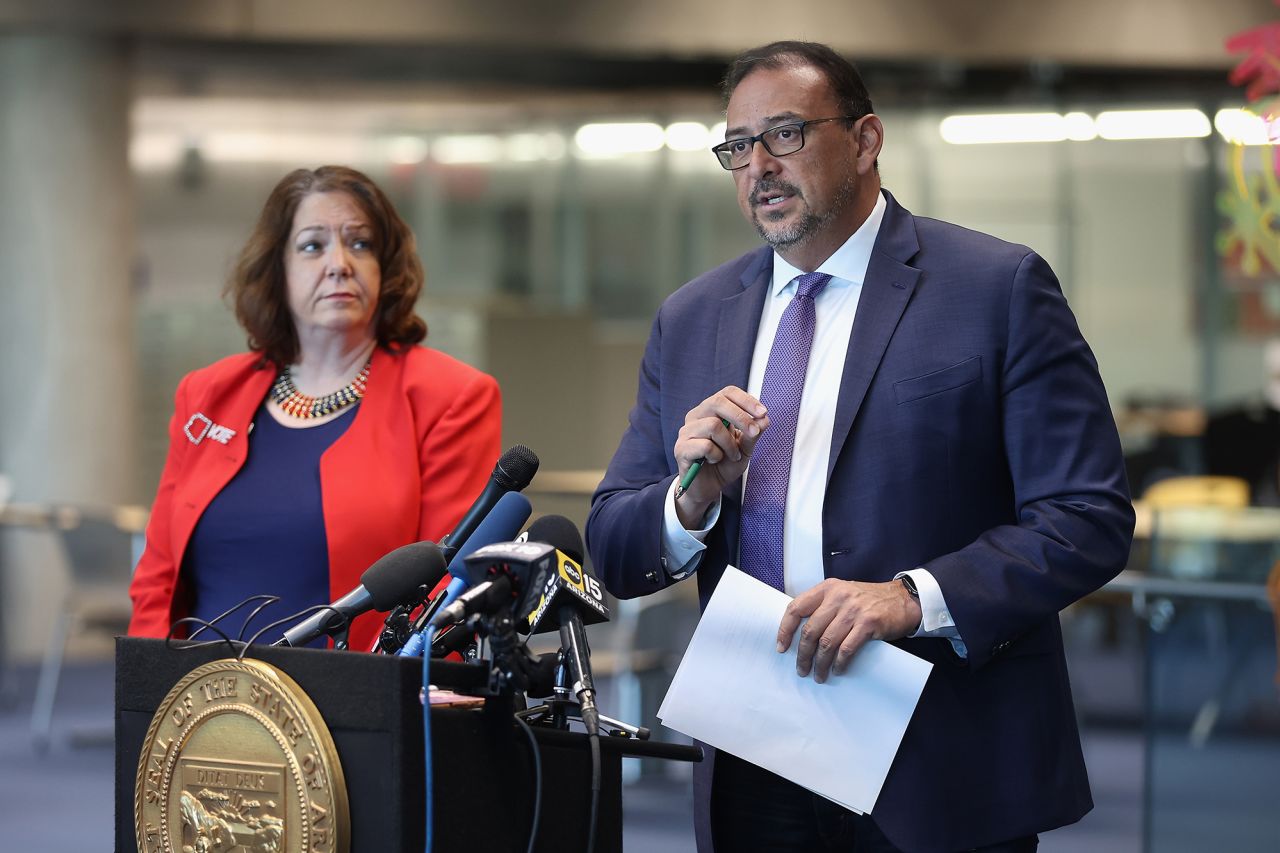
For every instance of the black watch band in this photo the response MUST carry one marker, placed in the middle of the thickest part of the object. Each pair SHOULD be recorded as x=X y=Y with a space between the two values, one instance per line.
x=911 y=586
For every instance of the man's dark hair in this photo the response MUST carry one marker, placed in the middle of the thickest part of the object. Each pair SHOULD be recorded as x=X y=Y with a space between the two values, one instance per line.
x=841 y=74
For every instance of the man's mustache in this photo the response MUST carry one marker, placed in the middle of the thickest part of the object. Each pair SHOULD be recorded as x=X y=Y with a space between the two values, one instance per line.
x=772 y=187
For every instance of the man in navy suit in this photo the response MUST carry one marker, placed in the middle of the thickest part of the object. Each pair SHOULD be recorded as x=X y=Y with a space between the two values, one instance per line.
x=950 y=480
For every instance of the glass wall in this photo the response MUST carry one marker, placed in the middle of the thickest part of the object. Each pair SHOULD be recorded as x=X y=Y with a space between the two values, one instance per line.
x=552 y=228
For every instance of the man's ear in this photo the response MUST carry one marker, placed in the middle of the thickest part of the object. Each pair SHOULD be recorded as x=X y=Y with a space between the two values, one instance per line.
x=869 y=133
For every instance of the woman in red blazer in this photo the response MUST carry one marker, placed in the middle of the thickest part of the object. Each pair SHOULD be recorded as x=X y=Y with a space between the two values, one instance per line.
x=336 y=439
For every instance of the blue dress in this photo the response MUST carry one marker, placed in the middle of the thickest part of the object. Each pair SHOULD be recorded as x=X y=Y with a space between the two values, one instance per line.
x=264 y=532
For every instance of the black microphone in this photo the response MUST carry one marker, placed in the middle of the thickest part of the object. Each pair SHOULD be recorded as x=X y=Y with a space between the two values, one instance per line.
x=395 y=578
x=450 y=640
x=573 y=640
x=501 y=576
x=567 y=584
x=570 y=594
x=558 y=532
x=513 y=472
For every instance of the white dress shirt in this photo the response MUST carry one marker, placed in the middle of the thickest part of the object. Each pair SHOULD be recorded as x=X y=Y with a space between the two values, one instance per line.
x=836 y=307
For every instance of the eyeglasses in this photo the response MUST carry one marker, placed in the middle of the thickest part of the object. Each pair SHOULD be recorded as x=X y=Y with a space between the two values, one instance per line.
x=779 y=141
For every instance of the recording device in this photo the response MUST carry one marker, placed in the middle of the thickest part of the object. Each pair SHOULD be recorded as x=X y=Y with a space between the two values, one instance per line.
x=406 y=574
x=504 y=521
x=570 y=600
x=513 y=472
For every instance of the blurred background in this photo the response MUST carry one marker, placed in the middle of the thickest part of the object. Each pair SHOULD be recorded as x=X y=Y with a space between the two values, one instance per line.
x=552 y=159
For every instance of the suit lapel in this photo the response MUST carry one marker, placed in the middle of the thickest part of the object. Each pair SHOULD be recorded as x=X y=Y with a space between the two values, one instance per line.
x=740 y=322
x=885 y=293
x=735 y=344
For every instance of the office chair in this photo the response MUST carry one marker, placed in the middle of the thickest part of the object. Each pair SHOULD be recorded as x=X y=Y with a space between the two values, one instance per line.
x=98 y=548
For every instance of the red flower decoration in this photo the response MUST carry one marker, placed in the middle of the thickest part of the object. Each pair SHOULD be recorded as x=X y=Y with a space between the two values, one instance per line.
x=1259 y=72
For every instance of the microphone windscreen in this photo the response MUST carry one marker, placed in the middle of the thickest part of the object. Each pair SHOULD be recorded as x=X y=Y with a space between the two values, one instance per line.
x=516 y=468
x=502 y=524
x=396 y=577
x=560 y=533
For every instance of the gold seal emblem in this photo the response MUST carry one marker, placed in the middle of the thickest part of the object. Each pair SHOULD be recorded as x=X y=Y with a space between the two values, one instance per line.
x=237 y=758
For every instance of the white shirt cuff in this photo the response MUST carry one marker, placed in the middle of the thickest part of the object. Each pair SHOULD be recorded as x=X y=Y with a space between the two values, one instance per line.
x=935 y=618
x=682 y=548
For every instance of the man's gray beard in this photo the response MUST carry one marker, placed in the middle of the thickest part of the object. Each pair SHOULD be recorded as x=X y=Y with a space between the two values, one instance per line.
x=799 y=232
x=809 y=225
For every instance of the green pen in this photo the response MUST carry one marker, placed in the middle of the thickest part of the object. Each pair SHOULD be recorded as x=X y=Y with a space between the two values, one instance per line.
x=687 y=480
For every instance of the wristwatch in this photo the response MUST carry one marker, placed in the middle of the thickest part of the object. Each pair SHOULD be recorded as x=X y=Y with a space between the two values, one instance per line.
x=911 y=586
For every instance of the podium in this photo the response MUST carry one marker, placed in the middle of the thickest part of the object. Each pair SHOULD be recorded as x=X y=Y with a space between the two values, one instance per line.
x=482 y=769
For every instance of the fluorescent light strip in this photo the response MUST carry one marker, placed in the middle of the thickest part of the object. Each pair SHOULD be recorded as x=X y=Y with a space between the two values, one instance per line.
x=1080 y=127
x=1004 y=128
x=687 y=136
x=1113 y=124
x=1243 y=127
x=156 y=149
x=617 y=139
x=1153 y=124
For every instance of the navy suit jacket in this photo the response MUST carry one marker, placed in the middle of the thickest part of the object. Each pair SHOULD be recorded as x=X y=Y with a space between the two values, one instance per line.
x=972 y=438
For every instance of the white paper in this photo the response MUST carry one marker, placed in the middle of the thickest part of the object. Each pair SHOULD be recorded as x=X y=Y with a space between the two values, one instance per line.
x=735 y=692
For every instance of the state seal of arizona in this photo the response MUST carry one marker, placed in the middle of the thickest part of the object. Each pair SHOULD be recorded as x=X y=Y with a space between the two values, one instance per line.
x=237 y=758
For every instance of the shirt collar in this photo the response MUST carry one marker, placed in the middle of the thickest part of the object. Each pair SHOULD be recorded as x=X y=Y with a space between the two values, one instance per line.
x=847 y=264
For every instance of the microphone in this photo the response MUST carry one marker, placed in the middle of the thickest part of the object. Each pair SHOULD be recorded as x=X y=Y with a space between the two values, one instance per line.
x=513 y=472
x=568 y=585
x=395 y=578
x=502 y=524
x=449 y=641
x=571 y=599
x=486 y=597
x=500 y=576
x=573 y=639
x=504 y=521
x=558 y=532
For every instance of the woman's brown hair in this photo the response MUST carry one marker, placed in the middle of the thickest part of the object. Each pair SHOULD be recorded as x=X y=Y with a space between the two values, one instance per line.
x=257 y=285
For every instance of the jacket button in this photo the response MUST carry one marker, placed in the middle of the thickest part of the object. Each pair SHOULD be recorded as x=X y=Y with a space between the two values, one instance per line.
x=651 y=577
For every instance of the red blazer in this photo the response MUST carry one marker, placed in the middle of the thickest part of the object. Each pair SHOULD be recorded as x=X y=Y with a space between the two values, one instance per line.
x=421 y=448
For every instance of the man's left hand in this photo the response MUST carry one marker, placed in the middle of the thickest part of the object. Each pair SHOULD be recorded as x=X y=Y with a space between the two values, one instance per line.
x=842 y=617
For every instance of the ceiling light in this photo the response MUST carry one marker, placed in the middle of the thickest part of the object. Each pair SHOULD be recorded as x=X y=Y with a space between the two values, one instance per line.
x=1014 y=127
x=1152 y=124
x=616 y=139
x=1243 y=127
x=688 y=136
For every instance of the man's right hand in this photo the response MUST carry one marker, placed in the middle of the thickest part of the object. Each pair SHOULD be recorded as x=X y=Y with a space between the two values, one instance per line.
x=726 y=450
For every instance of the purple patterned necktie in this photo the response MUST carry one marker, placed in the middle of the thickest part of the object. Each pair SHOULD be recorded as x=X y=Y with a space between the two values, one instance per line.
x=765 y=501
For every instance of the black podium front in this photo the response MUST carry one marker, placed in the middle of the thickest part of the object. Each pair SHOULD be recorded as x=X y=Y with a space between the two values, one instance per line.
x=483 y=783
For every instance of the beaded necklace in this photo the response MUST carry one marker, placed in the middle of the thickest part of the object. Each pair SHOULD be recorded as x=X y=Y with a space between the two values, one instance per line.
x=300 y=405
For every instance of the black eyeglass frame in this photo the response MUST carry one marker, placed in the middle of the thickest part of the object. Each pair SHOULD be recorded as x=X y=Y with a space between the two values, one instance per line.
x=724 y=155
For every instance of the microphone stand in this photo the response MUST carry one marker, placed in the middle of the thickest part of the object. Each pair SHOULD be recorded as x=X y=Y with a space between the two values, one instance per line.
x=561 y=707
x=396 y=630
